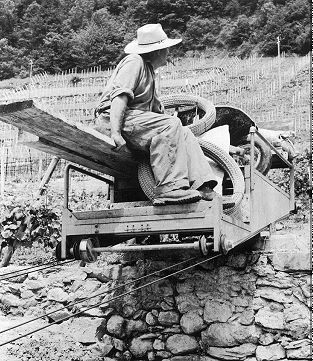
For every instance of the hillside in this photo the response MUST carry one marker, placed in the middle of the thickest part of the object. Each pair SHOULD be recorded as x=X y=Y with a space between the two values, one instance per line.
x=54 y=36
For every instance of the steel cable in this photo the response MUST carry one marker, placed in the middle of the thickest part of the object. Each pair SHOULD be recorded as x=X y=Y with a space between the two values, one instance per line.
x=114 y=298
x=35 y=269
x=99 y=294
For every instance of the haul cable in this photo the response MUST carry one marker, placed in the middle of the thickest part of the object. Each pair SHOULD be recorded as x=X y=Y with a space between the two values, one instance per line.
x=100 y=294
x=35 y=269
x=113 y=298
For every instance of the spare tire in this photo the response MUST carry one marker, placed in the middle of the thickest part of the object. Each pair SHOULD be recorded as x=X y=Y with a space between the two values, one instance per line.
x=203 y=124
x=263 y=154
x=147 y=182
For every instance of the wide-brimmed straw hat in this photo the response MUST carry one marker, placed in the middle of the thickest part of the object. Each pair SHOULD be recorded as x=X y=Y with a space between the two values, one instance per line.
x=150 y=37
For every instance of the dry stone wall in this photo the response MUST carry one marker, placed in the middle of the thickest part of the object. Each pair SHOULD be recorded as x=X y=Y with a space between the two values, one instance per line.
x=245 y=306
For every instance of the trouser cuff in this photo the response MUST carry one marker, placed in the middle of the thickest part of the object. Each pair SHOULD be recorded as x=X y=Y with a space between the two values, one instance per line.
x=171 y=186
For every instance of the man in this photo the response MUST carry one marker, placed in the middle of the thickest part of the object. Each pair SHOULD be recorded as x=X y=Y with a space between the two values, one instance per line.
x=137 y=119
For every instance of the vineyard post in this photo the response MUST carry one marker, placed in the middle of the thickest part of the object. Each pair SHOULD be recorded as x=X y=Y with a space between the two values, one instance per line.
x=2 y=171
x=278 y=55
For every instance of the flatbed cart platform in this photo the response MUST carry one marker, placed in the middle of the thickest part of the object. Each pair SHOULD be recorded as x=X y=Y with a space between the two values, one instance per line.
x=88 y=233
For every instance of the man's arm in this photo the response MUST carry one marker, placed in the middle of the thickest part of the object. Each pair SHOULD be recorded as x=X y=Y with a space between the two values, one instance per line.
x=117 y=113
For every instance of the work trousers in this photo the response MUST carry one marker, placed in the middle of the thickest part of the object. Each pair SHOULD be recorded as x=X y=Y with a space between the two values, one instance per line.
x=176 y=158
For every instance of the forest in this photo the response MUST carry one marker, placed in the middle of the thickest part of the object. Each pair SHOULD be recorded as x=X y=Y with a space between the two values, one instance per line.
x=57 y=35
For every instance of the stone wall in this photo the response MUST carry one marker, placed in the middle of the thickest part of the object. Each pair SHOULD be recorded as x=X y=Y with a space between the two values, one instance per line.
x=250 y=305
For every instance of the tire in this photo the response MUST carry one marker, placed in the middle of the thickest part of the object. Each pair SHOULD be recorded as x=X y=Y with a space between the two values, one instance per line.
x=147 y=182
x=263 y=159
x=204 y=123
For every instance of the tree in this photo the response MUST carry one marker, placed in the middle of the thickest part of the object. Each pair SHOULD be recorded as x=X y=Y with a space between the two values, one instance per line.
x=8 y=60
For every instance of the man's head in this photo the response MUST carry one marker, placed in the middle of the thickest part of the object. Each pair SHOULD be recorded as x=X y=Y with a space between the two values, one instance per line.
x=157 y=57
x=150 y=38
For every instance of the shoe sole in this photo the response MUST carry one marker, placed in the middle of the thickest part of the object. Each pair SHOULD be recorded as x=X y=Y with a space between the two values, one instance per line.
x=168 y=201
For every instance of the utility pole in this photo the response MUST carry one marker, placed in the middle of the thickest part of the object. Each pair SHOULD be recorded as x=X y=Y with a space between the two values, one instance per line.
x=278 y=55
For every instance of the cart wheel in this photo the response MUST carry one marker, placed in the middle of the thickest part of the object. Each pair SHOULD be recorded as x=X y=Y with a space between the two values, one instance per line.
x=85 y=250
x=263 y=154
x=204 y=246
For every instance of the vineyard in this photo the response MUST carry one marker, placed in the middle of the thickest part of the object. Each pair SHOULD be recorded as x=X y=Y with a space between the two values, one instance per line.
x=275 y=92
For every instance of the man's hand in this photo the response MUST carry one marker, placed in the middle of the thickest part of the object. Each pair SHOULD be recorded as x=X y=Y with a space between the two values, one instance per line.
x=118 y=140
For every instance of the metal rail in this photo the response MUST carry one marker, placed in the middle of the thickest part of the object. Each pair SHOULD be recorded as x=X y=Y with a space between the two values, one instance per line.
x=253 y=133
x=106 y=179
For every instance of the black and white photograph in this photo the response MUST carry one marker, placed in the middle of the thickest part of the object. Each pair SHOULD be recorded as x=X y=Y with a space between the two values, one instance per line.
x=155 y=180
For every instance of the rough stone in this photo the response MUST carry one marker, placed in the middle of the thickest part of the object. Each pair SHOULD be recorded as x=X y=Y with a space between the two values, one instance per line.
x=106 y=345
x=35 y=285
x=26 y=294
x=266 y=339
x=15 y=289
x=127 y=356
x=58 y=295
x=306 y=290
x=118 y=344
x=186 y=358
x=82 y=329
x=158 y=345
x=116 y=325
x=237 y=260
x=151 y=320
x=11 y=300
x=296 y=311
x=168 y=318
x=299 y=350
x=234 y=353
x=129 y=272
x=217 y=311
x=277 y=281
x=247 y=317
x=192 y=322
x=185 y=287
x=271 y=352
x=171 y=330
x=148 y=336
x=112 y=272
x=151 y=356
x=273 y=294
x=181 y=344
x=137 y=326
x=93 y=312
x=293 y=261
x=263 y=270
x=228 y=335
x=139 y=347
x=270 y=319
x=297 y=318
x=30 y=302
x=258 y=303
x=164 y=355
x=154 y=293
x=241 y=301
x=187 y=302
x=90 y=286
x=59 y=315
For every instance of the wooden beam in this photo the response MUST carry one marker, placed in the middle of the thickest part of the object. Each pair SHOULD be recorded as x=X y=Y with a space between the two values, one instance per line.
x=71 y=156
x=76 y=143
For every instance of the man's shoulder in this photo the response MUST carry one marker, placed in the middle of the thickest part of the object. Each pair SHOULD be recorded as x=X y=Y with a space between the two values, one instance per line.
x=132 y=58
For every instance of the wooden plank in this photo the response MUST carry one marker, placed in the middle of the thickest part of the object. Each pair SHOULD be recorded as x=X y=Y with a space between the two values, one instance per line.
x=82 y=141
x=71 y=156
